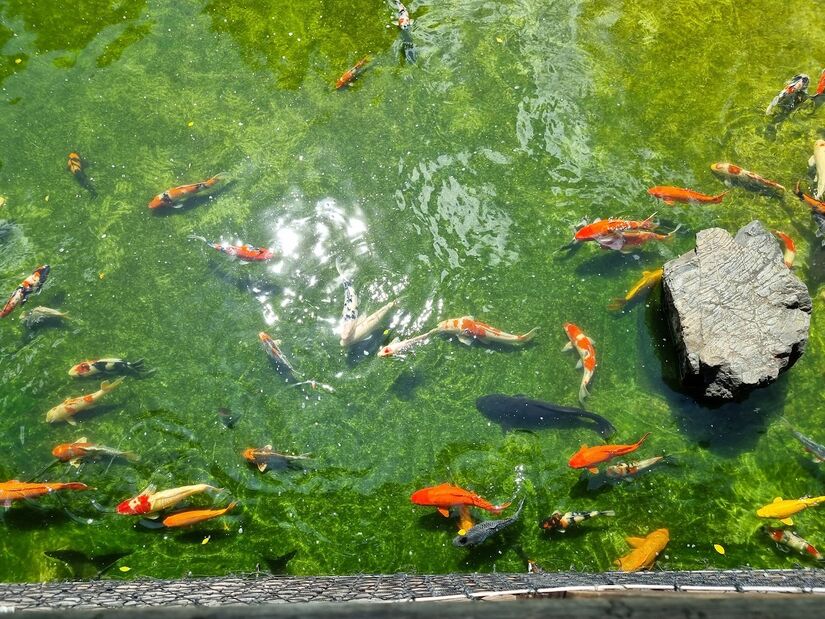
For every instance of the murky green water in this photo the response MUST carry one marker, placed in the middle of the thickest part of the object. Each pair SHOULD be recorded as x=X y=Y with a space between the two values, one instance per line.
x=451 y=183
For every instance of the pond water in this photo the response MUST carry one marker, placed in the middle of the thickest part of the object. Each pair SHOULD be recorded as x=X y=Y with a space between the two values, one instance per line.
x=449 y=183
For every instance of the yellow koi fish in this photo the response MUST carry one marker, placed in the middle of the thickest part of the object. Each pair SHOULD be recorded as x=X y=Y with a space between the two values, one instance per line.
x=647 y=281
x=645 y=550
x=782 y=509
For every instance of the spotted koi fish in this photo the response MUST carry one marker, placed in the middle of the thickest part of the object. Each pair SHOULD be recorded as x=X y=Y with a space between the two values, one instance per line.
x=749 y=180
x=467 y=329
x=31 y=285
x=350 y=74
x=624 y=470
x=242 y=251
x=175 y=196
x=85 y=369
x=587 y=355
x=398 y=348
x=561 y=522
x=150 y=501
x=794 y=542
x=794 y=93
x=66 y=410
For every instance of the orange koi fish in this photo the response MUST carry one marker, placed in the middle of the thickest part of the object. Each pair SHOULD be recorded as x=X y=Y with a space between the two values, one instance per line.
x=244 y=252
x=749 y=180
x=195 y=516
x=81 y=449
x=16 y=490
x=587 y=457
x=629 y=239
x=645 y=550
x=177 y=195
x=671 y=195
x=150 y=501
x=68 y=408
x=820 y=87
x=350 y=74
x=32 y=284
x=790 y=248
x=587 y=355
x=468 y=329
x=445 y=496
x=817 y=206
x=75 y=164
x=610 y=227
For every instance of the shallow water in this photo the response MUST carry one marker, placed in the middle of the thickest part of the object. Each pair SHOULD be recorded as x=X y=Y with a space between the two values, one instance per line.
x=449 y=183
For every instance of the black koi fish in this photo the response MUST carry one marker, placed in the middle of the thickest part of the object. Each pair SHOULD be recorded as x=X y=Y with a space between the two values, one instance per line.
x=521 y=412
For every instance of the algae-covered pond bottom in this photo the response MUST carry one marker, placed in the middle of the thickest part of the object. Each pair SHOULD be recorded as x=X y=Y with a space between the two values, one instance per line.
x=449 y=183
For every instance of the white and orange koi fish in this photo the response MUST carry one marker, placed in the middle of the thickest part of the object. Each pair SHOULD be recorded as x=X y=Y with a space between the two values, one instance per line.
x=150 y=501
x=68 y=408
x=398 y=348
x=587 y=354
x=468 y=329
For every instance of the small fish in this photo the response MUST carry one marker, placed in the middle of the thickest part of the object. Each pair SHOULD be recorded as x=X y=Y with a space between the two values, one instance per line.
x=610 y=227
x=242 y=251
x=398 y=348
x=671 y=195
x=790 y=248
x=90 y=368
x=366 y=325
x=445 y=496
x=647 y=281
x=175 y=196
x=522 y=412
x=16 y=490
x=744 y=178
x=314 y=384
x=82 y=449
x=810 y=445
x=561 y=522
x=75 y=164
x=645 y=550
x=782 y=509
x=195 y=516
x=794 y=93
x=264 y=457
x=794 y=542
x=483 y=530
x=587 y=355
x=41 y=314
x=66 y=410
x=467 y=329
x=31 y=285
x=350 y=74
x=817 y=161
x=227 y=418
x=272 y=349
x=623 y=470
x=149 y=501
x=587 y=457
x=402 y=20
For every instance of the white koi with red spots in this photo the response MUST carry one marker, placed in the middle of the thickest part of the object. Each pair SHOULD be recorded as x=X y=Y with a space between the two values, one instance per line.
x=468 y=329
x=68 y=408
x=587 y=354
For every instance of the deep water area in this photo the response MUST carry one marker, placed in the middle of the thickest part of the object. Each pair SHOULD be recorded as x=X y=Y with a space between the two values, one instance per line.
x=452 y=183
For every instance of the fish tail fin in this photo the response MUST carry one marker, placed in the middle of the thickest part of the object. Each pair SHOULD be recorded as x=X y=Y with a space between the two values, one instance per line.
x=617 y=304
x=108 y=385
x=497 y=509
x=608 y=512
x=218 y=178
x=650 y=221
x=529 y=335
x=230 y=507
x=718 y=197
x=131 y=456
x=137 y=365
x=642 y=440
x=674 y=231
x=583 y=393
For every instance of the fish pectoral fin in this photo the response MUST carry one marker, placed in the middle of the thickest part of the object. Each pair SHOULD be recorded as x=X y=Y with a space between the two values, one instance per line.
x=152 y=516
x=150 y=489
x=262 y=467
x=593 y=469
x=777 y=499
x=635 y=542
x=579 y=364
x=82 y=439
x=444 y=512
x=465 y=339
x=71 y=421
x=269 y=447
x=75 y=462
x=668 y=201
x=566 y=347
x=788 y=521
x=812 y=162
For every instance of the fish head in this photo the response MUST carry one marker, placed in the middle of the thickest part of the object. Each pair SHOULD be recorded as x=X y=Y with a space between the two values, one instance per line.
x=249 y=454
x=264 y=338
x=63 y=452
x=81 y=369
x=58 y=413
x=422 y=497
x=132 y=507
x=553 y=522
x=464 y=539
x=158 y=201
x=579 y=459
x=43 y=272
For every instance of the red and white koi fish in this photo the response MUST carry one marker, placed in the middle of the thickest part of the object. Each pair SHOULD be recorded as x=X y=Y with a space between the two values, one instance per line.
x=745 y=178
x=610 y=227
x=272 y=348
x=398 y=348
x=467 y=329
x=794 y=542
x=790 y=247
x=794 y=92
x=817 y=161
x=85 y=369
x=242 y=251
x=82 y=449
x=32 y=284
x=671 y=195
x=350 y=74
x=149 y=501
x=68 y=408
x=587 y=355
x=624 y=470
x=175 y=196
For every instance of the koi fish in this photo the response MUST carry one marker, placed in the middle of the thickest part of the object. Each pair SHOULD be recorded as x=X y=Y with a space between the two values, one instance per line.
x=794 y=542
x=150 y=501
x=647 y=281
x=817 y=207
x=671 y=195
x=522 y=412
x=626 y=241
x=175 y=196
x=744 y=178
x=810 y=445
x=272 y=349
x=623 y=470
x=195 y=516
x=31 y=285
x=365 y=325
x=86 y=369
x=468 y=329
x=66 y=410
x=242 y=251
x=445 y=496
x=790 y=248
x=817 y=161
x=610 y=227
x=41 y=314
x=782 y=509
x=350 y=74
x=264 y=457
x=81 y=449
x=587 y=355
x=75 y=164
x=794 y=92
x=562 y=522
x=587 y=457
x=404 y=22
x=349 y=315
x=16 y=490
x=398 y=348
x=479 y=533
x=820 y=87
x=645 y=550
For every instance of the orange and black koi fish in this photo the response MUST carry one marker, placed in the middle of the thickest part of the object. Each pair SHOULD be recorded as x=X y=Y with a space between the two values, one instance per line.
x=177 y=195
x=794 y=93
x=670 y=195
x=243 y=252
x=350 y=74
x=264 y=458
x=32 y=284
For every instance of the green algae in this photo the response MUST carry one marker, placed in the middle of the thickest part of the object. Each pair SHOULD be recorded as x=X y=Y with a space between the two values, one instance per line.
x=452 y=183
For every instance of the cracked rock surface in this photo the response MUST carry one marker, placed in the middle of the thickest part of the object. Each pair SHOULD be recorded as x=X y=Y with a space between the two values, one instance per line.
x=737 y=314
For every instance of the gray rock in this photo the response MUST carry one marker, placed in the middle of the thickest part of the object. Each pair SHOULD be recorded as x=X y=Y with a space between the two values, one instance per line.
x=738 y=316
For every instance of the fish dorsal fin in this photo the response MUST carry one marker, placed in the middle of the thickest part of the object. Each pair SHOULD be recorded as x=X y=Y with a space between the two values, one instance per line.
x=150 y=489
x=584 y=446
x=635 y=542
x=787 y=521
x=777 y=499
x=395 y=340
x=269 y=447
x=82 y=439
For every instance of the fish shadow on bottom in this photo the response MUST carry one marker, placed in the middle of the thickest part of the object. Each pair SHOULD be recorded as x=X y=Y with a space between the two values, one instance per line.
x=406 y=384
x=84 y=567
x=94 y=413
x=29 y=516
x=277 y=566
